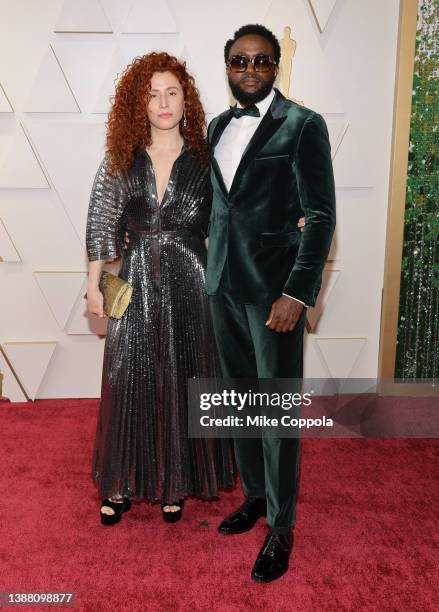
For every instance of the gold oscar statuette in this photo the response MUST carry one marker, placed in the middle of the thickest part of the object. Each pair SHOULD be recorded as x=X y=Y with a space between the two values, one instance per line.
x=288 y=49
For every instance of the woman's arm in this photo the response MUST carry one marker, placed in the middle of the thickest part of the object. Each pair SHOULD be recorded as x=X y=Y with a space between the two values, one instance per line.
x=107 y=200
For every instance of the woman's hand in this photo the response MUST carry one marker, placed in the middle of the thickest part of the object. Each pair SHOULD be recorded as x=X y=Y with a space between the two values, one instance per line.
x=95 y=302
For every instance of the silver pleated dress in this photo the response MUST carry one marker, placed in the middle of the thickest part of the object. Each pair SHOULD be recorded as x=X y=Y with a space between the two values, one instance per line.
x=165 y=336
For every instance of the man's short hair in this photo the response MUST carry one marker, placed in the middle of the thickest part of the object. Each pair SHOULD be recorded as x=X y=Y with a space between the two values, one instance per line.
x=258 y=30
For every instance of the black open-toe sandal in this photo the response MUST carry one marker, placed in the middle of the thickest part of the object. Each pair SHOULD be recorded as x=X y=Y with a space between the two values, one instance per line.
x=173 y=517
x=118 y=507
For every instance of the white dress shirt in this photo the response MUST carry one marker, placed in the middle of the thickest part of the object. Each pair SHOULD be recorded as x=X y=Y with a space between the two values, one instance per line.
x=233 y=142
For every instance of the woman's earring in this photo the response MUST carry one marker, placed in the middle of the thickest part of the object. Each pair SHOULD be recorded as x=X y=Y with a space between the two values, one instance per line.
x=184 y=119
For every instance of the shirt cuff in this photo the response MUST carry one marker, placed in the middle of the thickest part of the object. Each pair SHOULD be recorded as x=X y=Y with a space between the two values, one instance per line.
x=293 y=298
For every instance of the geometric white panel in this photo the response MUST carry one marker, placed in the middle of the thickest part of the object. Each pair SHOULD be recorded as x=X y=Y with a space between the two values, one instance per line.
x=132 y=46
x=82 y=145
x=208 y=98
x=75 y=370
x=185 y=55
x=340 y=354
x=83 y=323
x=61 y=291
x=24 y=313
x=50 y=92
x=19 y=168
x=30 y=360
x=5 y=105
x=107 y=88
x=315 y=86
x=350 y=164
x=8 y=252
x=85 y=64
x=333 y=251
x=329 y=279
x=322 y=9
x=337 y=127
x=82 y=16
x=116 y=11
x=11 y=388
x=314 y=365
x=47 y=240
x=148 y=16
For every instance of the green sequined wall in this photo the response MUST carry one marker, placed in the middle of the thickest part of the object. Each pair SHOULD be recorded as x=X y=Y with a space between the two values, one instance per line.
x=417 y=353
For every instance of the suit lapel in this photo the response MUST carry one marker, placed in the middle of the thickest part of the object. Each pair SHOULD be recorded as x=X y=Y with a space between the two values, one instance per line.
x=271 y=122
x=219 y=177
x=223 y=121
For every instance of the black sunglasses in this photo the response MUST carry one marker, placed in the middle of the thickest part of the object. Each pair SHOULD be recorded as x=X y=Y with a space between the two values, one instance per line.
x=261 y=63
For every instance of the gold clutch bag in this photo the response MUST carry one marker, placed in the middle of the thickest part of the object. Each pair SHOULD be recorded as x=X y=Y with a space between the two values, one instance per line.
x=117 y=294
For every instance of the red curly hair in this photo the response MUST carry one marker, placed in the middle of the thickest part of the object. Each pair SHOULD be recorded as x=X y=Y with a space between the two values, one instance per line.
x=128 y=125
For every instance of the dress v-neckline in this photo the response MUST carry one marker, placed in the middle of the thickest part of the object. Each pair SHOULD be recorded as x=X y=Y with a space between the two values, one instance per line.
x=165 y=193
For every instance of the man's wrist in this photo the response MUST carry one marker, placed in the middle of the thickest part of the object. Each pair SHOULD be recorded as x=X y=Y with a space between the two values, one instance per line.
x=297 y=299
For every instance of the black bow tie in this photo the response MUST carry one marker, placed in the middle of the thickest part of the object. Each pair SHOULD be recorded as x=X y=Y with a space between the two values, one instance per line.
x=250 y=111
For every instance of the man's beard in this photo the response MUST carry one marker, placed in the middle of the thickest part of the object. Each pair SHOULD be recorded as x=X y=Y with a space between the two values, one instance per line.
x=251 y=97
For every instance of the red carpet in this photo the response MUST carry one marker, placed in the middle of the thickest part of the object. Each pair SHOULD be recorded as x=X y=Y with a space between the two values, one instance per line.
x=366 y=536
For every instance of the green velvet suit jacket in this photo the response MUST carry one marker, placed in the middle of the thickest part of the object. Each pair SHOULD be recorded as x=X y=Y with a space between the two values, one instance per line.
x=285 y=173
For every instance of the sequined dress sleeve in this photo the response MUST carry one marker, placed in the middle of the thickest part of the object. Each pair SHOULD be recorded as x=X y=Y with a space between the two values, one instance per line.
x=107 y=201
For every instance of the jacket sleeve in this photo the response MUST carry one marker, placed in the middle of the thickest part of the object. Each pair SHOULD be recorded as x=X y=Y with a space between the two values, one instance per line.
x=107 y=200
x=316 y=188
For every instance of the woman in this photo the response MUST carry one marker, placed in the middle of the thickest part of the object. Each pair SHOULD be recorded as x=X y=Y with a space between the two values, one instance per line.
x=154 y=183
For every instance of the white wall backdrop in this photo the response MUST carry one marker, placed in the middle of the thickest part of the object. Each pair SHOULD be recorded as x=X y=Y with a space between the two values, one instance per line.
x=58 y=62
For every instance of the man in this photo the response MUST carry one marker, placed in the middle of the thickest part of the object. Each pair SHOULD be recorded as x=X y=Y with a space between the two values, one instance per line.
x=271 y=163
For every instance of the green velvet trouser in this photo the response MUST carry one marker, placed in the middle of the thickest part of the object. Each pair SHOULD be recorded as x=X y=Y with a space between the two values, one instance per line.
x=268 y=466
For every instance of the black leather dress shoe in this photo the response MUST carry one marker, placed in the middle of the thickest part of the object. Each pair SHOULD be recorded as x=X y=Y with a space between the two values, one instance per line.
x=245 y=517
x=273 y=557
